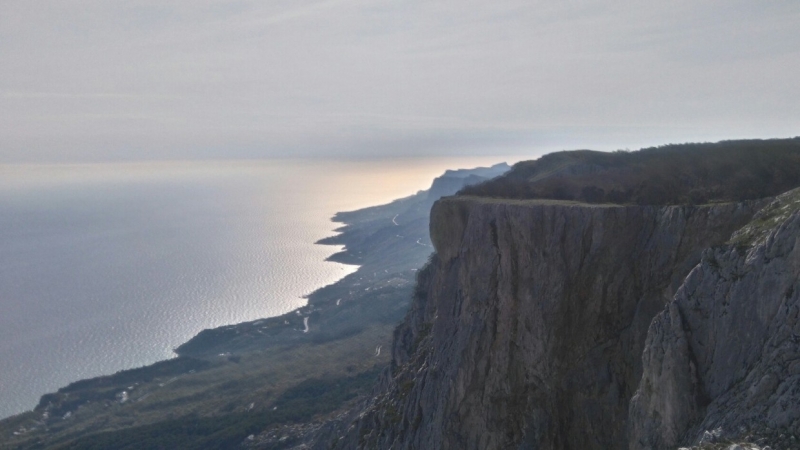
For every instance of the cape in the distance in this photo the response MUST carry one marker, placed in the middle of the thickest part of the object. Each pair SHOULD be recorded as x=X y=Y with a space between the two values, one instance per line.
x=239 y=378
x=628 y=300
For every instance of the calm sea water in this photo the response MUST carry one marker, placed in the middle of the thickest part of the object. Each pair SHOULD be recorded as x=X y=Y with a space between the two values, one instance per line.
x=105 y=267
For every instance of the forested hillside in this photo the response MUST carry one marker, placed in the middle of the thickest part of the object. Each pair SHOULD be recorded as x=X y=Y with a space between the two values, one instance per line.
x=666 y=175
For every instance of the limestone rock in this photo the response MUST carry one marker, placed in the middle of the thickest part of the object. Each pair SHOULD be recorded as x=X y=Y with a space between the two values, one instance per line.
x=725 y=353
x=527 y=328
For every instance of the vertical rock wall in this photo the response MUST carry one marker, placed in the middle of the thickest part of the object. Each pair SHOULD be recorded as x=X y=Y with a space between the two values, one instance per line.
x=724 y=356
x=528 y=326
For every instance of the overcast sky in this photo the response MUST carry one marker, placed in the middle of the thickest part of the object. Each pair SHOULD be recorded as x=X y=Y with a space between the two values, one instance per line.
x=86 y=80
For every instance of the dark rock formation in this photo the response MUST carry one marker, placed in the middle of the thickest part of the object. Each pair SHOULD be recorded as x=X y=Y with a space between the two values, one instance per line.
x=527 y=327
x=723 y=359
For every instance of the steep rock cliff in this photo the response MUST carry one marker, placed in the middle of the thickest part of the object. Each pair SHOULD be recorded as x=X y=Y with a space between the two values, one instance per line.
x=527 y=327
x=722 y=361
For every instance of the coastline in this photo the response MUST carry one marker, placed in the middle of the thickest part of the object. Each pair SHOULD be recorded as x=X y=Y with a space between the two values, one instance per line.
x=361 y=307
x=249 y=368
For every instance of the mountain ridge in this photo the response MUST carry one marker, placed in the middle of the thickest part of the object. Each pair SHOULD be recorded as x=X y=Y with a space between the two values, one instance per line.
x=529 y=324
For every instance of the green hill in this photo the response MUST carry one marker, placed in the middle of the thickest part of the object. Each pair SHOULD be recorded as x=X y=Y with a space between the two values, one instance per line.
x=666 y=175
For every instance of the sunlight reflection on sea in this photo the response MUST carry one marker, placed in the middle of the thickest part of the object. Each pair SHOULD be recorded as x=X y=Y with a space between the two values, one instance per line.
x=105 y=267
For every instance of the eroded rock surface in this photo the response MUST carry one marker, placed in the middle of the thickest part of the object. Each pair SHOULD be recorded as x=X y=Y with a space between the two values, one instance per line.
x=725 y=354
x=527 y=328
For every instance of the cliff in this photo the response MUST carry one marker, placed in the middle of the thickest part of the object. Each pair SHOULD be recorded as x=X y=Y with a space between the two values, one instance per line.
x=722 y=361
x=527 y=328
x=587 y=300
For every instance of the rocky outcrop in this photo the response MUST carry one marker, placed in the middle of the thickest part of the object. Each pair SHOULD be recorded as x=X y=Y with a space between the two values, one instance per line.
x=528 y=325
x=722 y=361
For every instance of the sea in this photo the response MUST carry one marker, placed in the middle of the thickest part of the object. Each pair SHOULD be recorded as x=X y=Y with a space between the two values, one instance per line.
x=109 y=266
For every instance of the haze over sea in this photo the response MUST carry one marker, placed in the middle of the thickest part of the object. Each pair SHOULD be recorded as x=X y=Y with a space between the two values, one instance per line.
x=105 y=267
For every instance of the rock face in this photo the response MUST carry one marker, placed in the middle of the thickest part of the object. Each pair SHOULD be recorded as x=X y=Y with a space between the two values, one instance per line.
x=724 y=355
x=528 y=325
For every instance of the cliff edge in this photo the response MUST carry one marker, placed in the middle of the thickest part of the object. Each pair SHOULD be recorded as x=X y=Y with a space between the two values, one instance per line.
x=530 y=327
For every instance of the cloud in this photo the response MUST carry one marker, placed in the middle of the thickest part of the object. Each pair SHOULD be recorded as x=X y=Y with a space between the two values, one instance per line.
x=90 y=79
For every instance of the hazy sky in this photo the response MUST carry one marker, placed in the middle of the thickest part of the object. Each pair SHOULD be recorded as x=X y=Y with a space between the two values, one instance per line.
x=85 y=80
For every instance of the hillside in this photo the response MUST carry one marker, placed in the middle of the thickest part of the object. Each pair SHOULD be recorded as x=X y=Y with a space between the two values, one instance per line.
x=667 y=175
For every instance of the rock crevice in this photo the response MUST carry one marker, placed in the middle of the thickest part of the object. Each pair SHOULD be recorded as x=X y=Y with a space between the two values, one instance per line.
x=724 y=354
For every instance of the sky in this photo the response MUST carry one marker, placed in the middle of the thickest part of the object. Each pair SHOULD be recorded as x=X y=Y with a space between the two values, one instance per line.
x=91 y=80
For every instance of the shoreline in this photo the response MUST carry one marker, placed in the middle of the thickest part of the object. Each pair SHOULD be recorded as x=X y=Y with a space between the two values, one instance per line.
x=344 y=332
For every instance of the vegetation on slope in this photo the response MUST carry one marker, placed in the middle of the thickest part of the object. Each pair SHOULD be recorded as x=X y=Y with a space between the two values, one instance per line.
x=666 y=175
x=269 y=383
x=297 y=404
